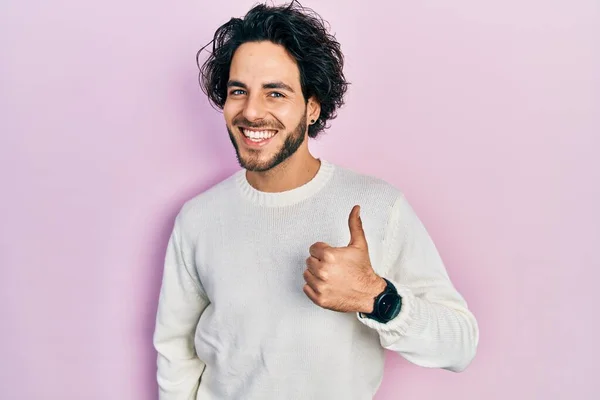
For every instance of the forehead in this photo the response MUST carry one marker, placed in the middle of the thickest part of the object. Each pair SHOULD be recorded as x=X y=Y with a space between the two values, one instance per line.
x=260 y=62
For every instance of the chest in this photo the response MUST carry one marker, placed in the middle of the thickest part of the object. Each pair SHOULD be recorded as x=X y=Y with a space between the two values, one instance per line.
x=258 y=256
x=251 y=266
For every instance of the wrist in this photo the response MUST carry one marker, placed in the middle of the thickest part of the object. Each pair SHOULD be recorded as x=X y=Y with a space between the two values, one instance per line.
x=386 y=305
x=375 y=288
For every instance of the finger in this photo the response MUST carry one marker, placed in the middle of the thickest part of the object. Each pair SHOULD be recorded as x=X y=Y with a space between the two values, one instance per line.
x=357 y=234
x=310 y=293
x=311 y=280
x=317 y=250
x=313 y=264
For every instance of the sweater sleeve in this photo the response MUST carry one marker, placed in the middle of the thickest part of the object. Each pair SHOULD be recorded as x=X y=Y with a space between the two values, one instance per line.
x=434 y=328
x=181 y=302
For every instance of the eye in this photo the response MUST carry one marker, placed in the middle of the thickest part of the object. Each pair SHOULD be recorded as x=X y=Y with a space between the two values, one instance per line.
x=237 y=92
x=276 y=94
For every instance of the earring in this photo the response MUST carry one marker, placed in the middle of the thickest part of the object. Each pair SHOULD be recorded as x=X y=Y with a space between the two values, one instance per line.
x=312 y=121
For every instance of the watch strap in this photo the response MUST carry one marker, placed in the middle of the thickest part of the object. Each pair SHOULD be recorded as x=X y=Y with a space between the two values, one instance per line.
x=389 y=289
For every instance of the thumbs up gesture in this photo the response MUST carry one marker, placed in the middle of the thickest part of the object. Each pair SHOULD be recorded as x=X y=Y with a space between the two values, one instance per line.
x=342 y=278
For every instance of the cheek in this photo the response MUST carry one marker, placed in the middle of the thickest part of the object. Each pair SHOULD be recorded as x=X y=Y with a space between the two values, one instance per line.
x=288 y=114
x=229 y=111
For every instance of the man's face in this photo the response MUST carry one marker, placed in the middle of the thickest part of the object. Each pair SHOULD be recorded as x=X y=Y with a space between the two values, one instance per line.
x=265 y=110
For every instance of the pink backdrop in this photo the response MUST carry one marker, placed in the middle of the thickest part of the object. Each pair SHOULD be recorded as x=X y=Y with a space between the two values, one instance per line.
x=486 y=115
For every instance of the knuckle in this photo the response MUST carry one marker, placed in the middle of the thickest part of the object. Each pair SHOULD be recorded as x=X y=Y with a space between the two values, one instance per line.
x=328 y=255
x=323 y=274
x=318 y=299
x=324 y=301
x=323 y=288
x=319 y=288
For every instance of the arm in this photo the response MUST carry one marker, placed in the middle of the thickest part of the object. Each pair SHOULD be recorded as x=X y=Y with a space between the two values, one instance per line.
x=434 y=327
x=181 y=302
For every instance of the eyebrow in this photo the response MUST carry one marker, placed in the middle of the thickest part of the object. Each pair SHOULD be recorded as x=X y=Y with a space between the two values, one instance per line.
x=268 y=85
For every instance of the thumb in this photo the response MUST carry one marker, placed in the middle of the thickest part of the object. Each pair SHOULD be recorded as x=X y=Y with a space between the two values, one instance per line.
x=357 y=234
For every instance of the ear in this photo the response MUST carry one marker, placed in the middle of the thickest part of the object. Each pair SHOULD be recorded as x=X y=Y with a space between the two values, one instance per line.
x=313 y=110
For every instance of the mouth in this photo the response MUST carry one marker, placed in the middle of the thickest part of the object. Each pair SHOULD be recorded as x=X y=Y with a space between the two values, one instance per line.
x=257 y=137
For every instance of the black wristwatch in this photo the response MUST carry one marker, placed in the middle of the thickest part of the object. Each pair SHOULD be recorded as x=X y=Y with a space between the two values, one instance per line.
x=387 y=304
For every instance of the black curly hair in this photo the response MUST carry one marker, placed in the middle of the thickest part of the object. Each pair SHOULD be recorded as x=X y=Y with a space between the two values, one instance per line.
x=304 y=35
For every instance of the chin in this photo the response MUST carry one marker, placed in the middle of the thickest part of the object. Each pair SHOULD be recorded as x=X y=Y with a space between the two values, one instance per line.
x=256 y=164
x=257 y=158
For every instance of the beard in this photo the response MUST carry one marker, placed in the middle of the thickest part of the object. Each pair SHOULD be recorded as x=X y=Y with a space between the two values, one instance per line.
x=252 y=161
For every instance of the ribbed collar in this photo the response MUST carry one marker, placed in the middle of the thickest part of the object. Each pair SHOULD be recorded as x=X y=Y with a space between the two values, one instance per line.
x=289 y=197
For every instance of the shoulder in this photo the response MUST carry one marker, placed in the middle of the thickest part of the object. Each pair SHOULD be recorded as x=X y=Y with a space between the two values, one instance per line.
x=199 y=209
x=377 y=197
x=367 y=187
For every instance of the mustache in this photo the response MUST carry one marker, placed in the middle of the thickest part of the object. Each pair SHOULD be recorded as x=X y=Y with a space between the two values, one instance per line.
x=241 y=120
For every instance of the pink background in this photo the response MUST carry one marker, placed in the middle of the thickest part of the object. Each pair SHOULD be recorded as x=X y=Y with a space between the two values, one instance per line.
x=486 y=114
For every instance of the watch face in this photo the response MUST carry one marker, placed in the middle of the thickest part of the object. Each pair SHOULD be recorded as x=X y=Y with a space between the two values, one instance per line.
x=388 y=305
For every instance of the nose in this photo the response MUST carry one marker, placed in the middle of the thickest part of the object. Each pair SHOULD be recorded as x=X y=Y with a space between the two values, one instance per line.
x=254 y=108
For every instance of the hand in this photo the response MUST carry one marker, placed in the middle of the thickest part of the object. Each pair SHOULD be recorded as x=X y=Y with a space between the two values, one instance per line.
x=342 y=279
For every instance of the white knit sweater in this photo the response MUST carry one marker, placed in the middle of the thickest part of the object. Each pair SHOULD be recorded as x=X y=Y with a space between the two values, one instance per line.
x=234 y=323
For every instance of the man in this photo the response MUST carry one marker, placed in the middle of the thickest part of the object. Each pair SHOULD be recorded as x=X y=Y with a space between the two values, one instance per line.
x=273 y=289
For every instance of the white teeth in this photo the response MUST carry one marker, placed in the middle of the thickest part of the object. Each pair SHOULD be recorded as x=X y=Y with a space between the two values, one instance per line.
x=257 y=136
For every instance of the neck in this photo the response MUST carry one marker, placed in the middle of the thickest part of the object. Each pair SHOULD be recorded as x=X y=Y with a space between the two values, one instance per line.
x=295 y=171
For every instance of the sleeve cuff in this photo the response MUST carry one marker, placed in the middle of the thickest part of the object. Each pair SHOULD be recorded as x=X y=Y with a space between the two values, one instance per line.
x=399 y=325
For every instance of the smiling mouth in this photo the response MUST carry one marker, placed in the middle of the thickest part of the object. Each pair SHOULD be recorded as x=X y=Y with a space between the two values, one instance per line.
x=258 y=135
